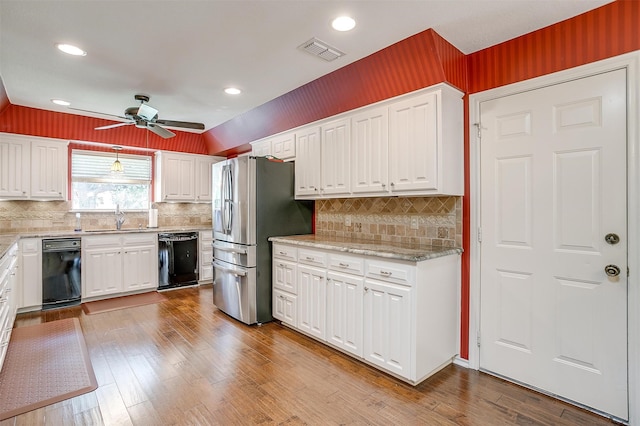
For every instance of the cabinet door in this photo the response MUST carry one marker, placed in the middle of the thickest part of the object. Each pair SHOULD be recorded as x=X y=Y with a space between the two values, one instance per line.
x=139 y=266
x=49 y=170
x=387 y=326
x=335 y=163
x=31 y=273
x=413 y=144
x=261 y=148
x=307 y=164
x=285 y=307
x=205 y=256
x=14 y=169
x=203 y=179
x=178 y=177
x=101 y=272
x=312 y=297
x=370 y=151
x=344 y=312
x=284 y=146
x=284 y=275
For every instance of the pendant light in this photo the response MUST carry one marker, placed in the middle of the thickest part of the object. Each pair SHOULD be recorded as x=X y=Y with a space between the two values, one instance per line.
x=116 y=167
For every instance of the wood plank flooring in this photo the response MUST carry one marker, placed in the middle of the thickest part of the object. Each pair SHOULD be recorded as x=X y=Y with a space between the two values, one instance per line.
x=183 y=362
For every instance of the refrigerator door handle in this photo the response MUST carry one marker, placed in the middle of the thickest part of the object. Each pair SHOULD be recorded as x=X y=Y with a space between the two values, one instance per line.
x=229 y=249
x=233 y=271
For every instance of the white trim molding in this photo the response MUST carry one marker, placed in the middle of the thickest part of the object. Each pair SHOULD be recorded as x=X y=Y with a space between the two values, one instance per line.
x=630 y=62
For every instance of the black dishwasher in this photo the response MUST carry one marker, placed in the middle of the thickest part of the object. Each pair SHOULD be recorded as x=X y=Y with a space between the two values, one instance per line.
x=177 y=259
x=61 y=269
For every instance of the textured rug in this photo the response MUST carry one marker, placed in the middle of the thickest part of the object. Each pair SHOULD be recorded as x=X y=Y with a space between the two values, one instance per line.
x=116 y=303
x=45 y=363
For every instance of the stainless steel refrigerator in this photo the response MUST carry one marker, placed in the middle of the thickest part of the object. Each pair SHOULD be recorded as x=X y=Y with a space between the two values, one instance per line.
x=252 y=201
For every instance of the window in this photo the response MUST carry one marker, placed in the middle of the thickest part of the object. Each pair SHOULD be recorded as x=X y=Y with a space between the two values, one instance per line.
x=95 y=187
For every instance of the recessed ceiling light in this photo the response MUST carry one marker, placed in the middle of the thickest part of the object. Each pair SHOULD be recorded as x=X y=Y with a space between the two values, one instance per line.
x=343 y=23
x=60 y=102
x=71 y=50
x=232 y=91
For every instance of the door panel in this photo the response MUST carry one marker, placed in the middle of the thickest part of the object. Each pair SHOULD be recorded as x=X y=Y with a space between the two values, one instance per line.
x=553 y=184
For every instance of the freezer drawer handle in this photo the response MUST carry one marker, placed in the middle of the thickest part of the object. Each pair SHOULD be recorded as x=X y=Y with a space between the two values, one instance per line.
x=235 y=272
x=230 y=249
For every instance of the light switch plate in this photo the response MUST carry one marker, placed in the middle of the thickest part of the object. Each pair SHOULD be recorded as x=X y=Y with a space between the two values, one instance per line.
x=347 y=220
x=414 y=222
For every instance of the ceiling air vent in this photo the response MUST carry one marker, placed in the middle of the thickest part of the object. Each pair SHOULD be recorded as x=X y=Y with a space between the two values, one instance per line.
x=321 y=49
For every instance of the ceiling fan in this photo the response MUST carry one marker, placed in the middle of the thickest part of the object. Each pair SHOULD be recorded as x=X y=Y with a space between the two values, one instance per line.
x=146 y=117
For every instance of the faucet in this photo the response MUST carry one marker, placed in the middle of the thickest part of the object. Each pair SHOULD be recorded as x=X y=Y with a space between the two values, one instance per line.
x=119 y=218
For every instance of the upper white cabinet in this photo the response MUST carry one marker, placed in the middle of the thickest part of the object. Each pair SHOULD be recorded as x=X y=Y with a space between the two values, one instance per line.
x=370 y=148
x=426 y=144
x=183 y=177
x=282 y=146
x=335 y=151
x=307 y=166
x=49 y=164
x=409 y=145
x=32 y=168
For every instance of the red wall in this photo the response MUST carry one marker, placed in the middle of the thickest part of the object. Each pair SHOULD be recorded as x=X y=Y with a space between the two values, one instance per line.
x=38 y=122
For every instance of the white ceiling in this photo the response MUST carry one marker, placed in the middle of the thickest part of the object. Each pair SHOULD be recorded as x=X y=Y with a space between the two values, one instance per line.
x=183 y=53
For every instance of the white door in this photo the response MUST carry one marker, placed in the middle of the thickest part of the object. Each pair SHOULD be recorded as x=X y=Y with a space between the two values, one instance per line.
x=553 y=185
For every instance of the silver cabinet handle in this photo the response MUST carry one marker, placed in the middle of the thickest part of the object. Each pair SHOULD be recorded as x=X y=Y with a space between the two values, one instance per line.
x=309 y=258
x=386 y=274
x=343 y=265
x=366 y=289
x=283 y=253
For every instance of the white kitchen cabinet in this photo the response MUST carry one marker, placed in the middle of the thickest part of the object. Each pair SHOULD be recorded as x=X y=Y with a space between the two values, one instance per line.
x=284 y=146
x=14 y=167
x=30 y=274
x=285 y=288
x=344 y=312
x=139 y=262
x=33 y=168
x=426 y=144
x=387 y=326
x=203 y=179
x=115 y=264
x=307 y=164
x=261 y=148
x=205 y=256
x=285 y=307
x=49 y=169
x=335 y=157
x=370 y=152
x=8 y=301
x=396 y=315
x=183 y=177
x=312 y=298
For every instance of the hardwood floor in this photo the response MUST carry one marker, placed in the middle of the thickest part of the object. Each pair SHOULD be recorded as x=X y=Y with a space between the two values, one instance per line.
x=183 y=362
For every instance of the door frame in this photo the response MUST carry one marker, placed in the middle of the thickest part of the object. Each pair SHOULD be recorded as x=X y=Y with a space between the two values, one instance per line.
x=630 y=62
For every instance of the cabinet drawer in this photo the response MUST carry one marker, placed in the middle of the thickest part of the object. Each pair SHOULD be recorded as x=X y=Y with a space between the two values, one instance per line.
x=312 y=257
x=390 y=271
x=349 y=264
x=285 y=252
x=142 y=239
x=101 y=241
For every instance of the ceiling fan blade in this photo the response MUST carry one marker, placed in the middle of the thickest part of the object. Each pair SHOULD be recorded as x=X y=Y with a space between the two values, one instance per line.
x=111 y=126
x=185 y=124
x=160 y=131
x=96 y=112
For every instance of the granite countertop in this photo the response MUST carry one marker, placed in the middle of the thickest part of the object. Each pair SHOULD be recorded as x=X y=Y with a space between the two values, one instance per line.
x=399 y=251
x=8 y=239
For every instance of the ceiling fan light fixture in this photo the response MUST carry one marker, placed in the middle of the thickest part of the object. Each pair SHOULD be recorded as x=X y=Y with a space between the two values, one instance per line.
x=117 y=166
x=232 y=91
x=71 y=49
x=60 y=102
x=343 y=23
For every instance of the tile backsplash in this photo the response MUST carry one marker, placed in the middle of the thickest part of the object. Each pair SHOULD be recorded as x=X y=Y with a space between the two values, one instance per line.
x=35 y=216
x=436 y=220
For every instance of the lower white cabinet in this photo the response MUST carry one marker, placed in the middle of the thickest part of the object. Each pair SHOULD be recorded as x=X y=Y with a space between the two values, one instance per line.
x=8 y=297
x=205 y=256
x=118 y=264
x=397 y=315
x=31 y=274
